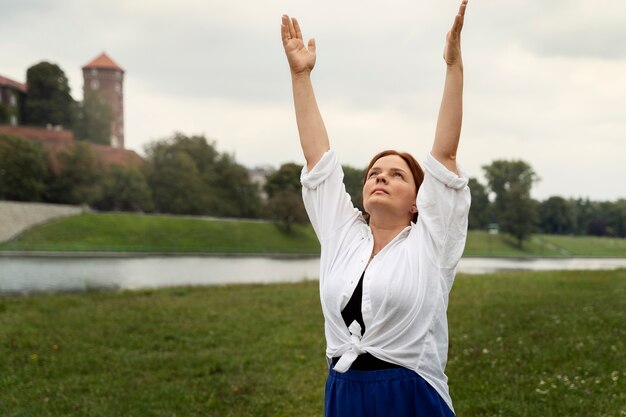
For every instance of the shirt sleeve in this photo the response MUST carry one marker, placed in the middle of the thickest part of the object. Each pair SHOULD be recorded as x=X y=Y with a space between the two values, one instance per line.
x=443 y=203
x=327 y=203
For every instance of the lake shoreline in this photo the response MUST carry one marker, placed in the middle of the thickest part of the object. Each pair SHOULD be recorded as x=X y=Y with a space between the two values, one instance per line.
x=272 y=255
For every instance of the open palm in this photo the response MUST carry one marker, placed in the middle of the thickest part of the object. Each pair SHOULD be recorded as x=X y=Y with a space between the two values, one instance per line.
x=452 y=51
x=301 y=59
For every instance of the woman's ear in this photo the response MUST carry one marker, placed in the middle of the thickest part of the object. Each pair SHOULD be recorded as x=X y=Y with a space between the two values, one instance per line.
x=413 y=208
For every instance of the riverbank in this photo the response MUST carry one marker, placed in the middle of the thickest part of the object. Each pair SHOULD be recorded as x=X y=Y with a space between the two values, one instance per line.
x=142 y=234
x=521 y=344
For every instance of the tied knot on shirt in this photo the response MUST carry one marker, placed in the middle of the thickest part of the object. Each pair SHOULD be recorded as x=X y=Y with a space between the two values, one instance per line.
x=350 y=356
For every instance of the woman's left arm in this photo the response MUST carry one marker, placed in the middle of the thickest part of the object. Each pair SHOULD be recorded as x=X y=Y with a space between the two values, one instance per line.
x=450 y=116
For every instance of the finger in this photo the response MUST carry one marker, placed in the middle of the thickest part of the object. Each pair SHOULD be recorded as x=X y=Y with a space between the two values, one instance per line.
x=296 y=26
x=462 y=7
x=292 y=30
x=462 y=14
x=284 y=28
x=311 y=46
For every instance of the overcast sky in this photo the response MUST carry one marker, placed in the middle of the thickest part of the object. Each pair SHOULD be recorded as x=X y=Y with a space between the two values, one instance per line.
x=545 y=81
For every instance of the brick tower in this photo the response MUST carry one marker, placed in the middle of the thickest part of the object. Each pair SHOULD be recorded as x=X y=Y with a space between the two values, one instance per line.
x=105 y=76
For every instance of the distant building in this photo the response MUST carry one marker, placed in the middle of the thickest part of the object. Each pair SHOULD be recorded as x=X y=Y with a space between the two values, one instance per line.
x=258 y=176
x=12 y=95
x=103 y=75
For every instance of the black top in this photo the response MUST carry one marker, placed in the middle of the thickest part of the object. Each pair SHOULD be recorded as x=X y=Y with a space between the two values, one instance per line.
x=352 y=310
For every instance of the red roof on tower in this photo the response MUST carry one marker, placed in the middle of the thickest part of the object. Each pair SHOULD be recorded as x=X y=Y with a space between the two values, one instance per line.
x=103 y=61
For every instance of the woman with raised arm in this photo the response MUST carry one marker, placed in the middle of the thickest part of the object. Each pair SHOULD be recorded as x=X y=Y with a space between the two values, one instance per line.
x=385 y=275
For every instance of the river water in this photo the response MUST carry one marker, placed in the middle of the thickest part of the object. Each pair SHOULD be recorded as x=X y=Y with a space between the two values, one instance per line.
x=43 y=274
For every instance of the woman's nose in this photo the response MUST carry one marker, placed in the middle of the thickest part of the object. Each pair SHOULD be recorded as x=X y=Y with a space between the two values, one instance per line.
x=381 y=178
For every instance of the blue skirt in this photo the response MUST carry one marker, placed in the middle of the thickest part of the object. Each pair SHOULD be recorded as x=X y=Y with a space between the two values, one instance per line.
x=396 y=392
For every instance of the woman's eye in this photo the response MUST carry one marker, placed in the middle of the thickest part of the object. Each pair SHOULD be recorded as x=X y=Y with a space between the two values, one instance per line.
x=397 y=174
x=371 y=174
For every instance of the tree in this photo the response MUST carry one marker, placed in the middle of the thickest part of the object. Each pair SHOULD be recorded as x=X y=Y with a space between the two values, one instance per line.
x=78 y=182
x=584 y=211
x=620 y=218
x=520 y=217
x=5 y=114
x=613 y=215
x=353 y=180
x=48 y=100
x=174 y=180
x=599 y=218
x=511 y=181
x=124 y=190
x=556 y=216
x=188 y=175
x=287 y=208
x=24 y=169
x=479 y=210
x=93 y=119
x=284 y=202
x=239 y=196
x=286 y=178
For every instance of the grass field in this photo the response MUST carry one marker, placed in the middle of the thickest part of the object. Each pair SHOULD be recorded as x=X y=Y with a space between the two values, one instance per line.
x=141 y=233
x=541 y=344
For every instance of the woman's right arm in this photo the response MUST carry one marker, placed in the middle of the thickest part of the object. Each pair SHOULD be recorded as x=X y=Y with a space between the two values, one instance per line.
x=313 y=136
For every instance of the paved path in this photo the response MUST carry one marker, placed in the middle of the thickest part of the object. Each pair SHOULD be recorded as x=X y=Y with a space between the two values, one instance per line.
x=15 y=217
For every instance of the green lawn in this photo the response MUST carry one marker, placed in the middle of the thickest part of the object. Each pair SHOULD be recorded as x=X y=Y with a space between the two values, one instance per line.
x=521 y=344
x=145 y=233
x=484 y=244
x=141 y=233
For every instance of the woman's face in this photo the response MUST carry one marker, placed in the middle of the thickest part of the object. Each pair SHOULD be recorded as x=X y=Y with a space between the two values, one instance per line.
x=390 y=187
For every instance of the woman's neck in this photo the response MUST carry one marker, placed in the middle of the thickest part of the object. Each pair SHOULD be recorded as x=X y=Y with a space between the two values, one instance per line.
x=384 y=233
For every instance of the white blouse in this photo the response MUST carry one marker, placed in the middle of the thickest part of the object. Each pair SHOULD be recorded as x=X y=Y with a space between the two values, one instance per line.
x=405 y=287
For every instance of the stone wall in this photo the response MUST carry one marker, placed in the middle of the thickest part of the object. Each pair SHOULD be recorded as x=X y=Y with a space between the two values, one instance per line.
x=15 y=217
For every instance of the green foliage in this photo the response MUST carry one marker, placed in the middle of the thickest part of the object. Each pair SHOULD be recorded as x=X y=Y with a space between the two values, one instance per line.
x=520 y=217
x=521 y=344
x=511 y=181
x=23 y=169
x=93 y=119
x=175 y=182
x=79 y=180
x=599 y=218
x=235 y=194
x=353 y=180
x=285 y=197
x=124 y=190
x=287 y=208
x=286 y=179
x=480 y=208
x=188 y=176
x=5 y=113
x=613 y=218
x=502 y=175
x=48 y=100
x=556 y=216
x=584 y=211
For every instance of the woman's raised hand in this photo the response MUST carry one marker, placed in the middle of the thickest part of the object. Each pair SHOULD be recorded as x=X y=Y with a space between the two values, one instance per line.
x=301 y=59
x=452 y=51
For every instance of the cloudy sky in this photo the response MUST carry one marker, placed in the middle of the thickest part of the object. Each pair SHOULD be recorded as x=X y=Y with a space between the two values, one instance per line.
x=545 y=82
